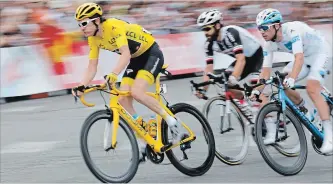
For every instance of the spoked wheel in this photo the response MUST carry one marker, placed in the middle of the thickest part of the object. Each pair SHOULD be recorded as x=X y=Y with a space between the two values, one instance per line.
x=205 y=153
x=106 y=115
x=291 y=168
x=230 y=131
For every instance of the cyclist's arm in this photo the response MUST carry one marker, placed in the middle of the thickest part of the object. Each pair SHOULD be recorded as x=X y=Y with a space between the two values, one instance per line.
x=124 y=59
x=209 y=61
x=297 y=47
x=122 y=44
x=267 y=64
x=233 y=37
x=91 y=71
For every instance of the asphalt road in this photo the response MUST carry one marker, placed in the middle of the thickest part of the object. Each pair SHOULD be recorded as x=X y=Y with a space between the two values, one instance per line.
x=40 y=143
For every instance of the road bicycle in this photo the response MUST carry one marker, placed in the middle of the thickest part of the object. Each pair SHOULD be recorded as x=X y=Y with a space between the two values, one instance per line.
x=118 y=117
x=283 y=105
x=229 y=108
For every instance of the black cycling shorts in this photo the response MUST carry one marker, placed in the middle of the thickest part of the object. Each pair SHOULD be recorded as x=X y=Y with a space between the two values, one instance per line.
x=253 y=64
x=150 y=62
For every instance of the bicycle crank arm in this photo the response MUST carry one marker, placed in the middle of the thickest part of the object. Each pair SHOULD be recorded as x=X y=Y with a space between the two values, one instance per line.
x=282 y=138
x=227 y=130
x=110 y=148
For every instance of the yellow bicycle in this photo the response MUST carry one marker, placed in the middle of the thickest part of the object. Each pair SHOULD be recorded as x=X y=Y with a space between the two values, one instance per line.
x=117 y=117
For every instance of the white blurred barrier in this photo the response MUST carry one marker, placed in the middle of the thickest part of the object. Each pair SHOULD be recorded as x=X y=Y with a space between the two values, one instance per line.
x=25 y=71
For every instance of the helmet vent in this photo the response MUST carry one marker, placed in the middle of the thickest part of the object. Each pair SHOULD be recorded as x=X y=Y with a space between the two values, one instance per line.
x=81 y=16
x=90 y=10
x=83 y=9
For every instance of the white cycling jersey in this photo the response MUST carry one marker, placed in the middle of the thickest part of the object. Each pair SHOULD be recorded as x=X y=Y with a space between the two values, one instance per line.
x=297 y=37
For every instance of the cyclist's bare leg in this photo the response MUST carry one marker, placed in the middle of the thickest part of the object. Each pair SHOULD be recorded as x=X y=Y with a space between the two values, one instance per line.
x=138 y=90
x=294 y=96
x=313 y=88
x=127 y=101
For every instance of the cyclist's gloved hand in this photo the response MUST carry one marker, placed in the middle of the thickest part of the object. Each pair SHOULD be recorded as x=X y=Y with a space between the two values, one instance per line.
x=111 y=78
x=78 y=90
x=289 y=82
x=232 y=80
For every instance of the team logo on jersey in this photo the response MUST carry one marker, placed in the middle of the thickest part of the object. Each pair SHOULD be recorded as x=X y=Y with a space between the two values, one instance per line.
x=288 y=45
x=129 y=71
x=112 y=41
x=295 y=39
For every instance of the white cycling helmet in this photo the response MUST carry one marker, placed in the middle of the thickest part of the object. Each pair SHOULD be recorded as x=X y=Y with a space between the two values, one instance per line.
x=209 y=17
x=268 y=16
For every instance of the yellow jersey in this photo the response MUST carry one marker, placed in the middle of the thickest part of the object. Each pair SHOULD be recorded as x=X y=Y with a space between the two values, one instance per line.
x=117 y=33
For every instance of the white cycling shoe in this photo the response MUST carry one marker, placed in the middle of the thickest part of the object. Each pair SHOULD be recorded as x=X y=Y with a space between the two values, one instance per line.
x=177 y=132
x=271 y=131
x=327 y=146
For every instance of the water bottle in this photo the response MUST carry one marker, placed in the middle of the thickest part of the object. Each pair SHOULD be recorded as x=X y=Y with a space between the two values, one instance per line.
x=152 y=123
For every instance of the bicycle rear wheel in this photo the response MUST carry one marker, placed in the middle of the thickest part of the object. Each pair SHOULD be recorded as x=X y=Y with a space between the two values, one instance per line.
x=92 y=119
x=227 y=126
x=303 y=150
x=207 y=134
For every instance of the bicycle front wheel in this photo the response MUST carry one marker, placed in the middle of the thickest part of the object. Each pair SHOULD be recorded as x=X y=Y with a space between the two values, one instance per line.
x=229 y=129
x=97 y=172
x=298 y=165
x=201 y=130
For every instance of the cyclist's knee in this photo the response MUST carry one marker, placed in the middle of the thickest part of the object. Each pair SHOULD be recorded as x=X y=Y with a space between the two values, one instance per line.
x=138 y=90
x=137 y=93
x=313 y=87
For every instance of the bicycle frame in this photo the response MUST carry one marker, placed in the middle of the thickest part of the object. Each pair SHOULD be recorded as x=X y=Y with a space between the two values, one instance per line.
x=285 y=101
x=119 y=111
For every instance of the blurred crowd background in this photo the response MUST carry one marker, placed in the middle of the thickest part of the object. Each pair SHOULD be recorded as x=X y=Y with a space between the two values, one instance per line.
x=52 y=23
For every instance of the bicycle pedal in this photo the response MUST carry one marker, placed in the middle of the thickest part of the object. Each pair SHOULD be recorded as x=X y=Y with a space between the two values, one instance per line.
x=186 y=145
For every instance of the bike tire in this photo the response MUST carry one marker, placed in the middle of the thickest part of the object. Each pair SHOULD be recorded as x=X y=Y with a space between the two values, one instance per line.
x=241 y=157
x=90 y=120
x=203 y=168
x=300 y=163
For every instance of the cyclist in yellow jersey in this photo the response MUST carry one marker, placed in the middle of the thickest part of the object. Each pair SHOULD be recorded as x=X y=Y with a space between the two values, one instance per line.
x=138 y=51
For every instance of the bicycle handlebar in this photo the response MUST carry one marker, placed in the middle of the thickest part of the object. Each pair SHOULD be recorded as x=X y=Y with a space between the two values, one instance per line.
x=113 y=89
x=92 y=88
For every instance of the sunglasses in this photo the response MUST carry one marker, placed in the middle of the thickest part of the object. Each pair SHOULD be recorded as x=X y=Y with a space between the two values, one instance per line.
x=85 y=23
x=207 y=28
x=265 y=27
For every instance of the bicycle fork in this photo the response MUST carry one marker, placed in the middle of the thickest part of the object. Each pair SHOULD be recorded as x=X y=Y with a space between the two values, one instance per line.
x=284 y=123
x=225 y=114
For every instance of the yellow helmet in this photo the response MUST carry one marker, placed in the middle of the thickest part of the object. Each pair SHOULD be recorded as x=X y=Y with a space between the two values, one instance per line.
x=87 y=10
